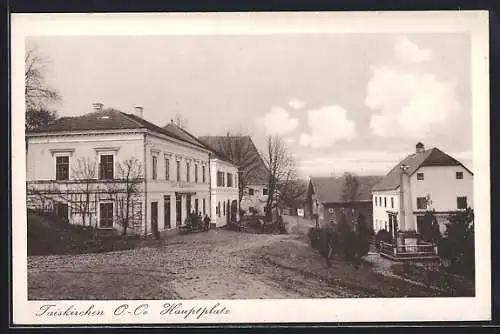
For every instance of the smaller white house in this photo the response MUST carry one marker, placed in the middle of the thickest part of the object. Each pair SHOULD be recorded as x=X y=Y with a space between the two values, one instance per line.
x=223 y=191
x=255 y=199
x=425 y=180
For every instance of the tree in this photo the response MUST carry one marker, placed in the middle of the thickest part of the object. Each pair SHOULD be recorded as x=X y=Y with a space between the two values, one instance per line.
x=346 y=238
x=281 y=169
x=429 y=228
x=85 y=187
x=239 y=148
x=37 y=92
x=124 y=190
x=363 y=236
x=36 y=118
x=458 y=244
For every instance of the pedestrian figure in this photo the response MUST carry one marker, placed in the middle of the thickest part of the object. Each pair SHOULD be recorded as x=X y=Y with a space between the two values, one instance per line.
x=206 y=220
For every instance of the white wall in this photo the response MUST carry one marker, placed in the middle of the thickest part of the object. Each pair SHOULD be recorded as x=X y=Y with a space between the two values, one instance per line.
x=380 y=215
x=442 y=186
x=258 y=200
x=223 y=194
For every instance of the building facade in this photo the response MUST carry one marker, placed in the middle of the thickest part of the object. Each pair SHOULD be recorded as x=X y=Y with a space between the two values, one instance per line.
x=224 y=191
x=112 y=170
x=326 y=201
x=423 y=181
x=251 y=169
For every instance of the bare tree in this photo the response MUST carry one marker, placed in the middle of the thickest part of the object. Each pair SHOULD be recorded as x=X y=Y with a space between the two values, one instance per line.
x=85 y=187
x=281 y=166
x=37 y=92
x=180 y=121
x=124 y=189
x=239 y=148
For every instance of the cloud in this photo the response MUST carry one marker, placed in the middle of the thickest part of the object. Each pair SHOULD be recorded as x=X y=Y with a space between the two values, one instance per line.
x=296 y=103
x=362 y=162
x=328 y=125
x=407 y=51
x=278 y=121
x=408 y=103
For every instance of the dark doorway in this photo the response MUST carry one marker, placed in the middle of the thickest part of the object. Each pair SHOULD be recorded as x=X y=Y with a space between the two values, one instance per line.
x=166 y=211
x=178 y=210
x=106 y=215
x=154 y=219
x=62 y=211
x=234 y=209
x=196 y=206
x=228 y=212
x=188 y=204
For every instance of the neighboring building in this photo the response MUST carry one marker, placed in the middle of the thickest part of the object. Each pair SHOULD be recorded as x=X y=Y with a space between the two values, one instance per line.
x=252 y=170
x=326 y=199
x=83 y=160
x=425 y=180
x=223 y=191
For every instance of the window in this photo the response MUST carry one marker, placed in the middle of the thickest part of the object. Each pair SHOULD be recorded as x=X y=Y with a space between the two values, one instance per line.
x=196 y=206
x=155 y=167
x=178 y=170
x=421 y=203
x=107 y=167
x=385 y=202
x=203 y=174
x=220 y=179
x=62 y=168
x=230 y=180
x=392 y=202
x=376 y=200
x=204 y=207
x=218 y=209
x=224 y=208
x=188 y=172
x=264 y=191
x=330 y=210
x=196 y=173
x=459 y=175
x=462 y=203
x=167 y=169
x=420 y=176
x=106 y=215
x=250 y=191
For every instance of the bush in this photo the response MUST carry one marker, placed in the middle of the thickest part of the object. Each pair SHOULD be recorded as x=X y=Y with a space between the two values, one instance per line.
x=458 y=245
x=347 y=239
x=314 y=237
x=364 y=235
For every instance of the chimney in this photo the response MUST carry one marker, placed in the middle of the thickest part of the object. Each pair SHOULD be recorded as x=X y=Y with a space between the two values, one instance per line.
x=97 y=107
x=419 y=147
x=139 y=111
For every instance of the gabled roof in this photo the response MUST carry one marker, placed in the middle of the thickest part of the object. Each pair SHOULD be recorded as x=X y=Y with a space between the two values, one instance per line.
x=249 y=158
x=430 y=157
x=111 y=119
x=331 y=189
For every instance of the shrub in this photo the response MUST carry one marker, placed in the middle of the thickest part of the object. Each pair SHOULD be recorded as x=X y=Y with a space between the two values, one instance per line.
x=313 y=235
x=458 y=245
x=346 y=239
x=363 y=237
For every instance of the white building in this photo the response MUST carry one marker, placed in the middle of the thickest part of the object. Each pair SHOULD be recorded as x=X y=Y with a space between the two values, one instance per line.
x=425 y=180
x=243 y=152
x=77 y=166
x=224 y=191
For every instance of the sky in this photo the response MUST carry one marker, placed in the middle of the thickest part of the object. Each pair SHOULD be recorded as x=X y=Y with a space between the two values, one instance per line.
x=342 y=102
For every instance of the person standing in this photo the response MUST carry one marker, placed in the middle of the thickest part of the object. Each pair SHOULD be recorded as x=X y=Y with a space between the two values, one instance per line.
x=206 y=222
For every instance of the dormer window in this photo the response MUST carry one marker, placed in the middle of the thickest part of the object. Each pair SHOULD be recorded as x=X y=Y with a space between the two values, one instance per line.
x=459 y=175
x=420 y=176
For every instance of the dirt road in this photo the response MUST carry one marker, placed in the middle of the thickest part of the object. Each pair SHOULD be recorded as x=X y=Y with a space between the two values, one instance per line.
x=218 y=264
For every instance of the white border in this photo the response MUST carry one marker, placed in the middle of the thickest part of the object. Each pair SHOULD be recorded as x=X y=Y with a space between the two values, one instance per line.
x=264 y=311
